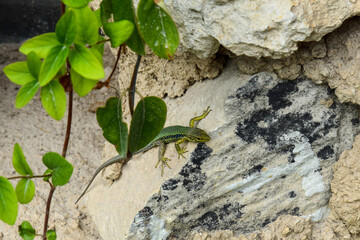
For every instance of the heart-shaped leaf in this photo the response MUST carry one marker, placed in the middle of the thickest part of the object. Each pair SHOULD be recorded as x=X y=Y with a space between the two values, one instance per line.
x=148 y=120
x=25 y=190
x=62 y=169
x=114 y=129
x=26 y=231
x=118 y=32
x=51 y=235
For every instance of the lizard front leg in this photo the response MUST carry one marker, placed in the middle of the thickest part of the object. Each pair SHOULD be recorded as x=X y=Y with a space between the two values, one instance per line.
x=162 y=158
x=198 y=118
x=179 y=149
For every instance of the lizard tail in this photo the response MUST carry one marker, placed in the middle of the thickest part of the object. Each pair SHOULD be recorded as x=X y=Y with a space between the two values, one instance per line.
x=104 y=165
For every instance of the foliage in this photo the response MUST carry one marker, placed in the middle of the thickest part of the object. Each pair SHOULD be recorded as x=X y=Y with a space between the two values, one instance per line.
x=71 y=59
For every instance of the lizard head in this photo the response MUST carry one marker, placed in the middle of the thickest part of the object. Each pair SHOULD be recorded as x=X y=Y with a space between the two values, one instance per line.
x=197 y=135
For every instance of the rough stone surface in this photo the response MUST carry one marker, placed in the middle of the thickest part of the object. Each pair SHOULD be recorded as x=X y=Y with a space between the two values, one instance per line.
x=342 y=222
x=256 y=28
x=332 y=60
x=273 y=145
x=159 y=77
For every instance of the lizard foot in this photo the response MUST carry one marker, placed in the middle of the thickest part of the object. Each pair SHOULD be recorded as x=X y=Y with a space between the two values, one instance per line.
x=163 y=161
x=181 y=152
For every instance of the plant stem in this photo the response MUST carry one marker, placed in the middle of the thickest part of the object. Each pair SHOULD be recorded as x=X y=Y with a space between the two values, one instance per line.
x=68 y=126
x=133 y=85
x=48 y=203
x=35 y=176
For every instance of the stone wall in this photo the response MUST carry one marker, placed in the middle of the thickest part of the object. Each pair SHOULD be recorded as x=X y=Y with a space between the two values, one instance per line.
x=281 y=79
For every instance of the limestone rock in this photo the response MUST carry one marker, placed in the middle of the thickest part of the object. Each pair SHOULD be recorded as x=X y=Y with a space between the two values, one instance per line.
x=159 y=77
x=257 y=28
x=339 y=68
x=273 y=146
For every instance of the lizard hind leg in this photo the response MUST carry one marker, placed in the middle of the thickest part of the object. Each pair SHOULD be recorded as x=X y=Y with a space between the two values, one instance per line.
x=198 y=118
x=162 y=158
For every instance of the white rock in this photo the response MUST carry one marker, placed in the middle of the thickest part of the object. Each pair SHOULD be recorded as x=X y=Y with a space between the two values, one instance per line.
x=256 y=28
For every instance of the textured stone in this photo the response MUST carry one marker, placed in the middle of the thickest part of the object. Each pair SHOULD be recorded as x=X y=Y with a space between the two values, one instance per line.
x=333 y=60
x=339 y=68
x=273 y=145
x=159 y=77
x=256 y=28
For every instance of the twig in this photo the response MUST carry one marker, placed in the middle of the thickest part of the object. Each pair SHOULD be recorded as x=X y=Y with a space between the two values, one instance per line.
x=68 y=126
x=48 y=203
x=35 y=176
x=133 y=85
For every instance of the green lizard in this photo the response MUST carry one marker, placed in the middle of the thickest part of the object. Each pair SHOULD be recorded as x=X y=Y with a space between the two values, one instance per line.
x=177 y=134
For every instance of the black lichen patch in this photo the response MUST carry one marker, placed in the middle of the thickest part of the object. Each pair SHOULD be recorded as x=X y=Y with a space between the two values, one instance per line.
x=230 y=209
x=250 y=90
x=194 y=179
x=266 y=222
x=250 y=130
x=278 y=94
x=292 y=194
x=209 y=221
x=326 y=152
x=355 y=121
x=228 y=215
x=145 y=213
x=170 y=184
x=255 y=169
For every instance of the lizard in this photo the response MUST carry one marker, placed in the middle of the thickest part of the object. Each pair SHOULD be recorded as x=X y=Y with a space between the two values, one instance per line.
x=176 y=133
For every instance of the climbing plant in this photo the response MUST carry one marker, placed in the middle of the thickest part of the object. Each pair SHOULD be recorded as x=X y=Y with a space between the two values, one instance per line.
x=70 y=59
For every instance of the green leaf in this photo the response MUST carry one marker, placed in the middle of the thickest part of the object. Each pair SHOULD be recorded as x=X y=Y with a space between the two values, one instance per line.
x=98 y=19
x=53 y=99
x=87 y=26
x=26 y=93
x=8 y=202
x=124 y=10
x=76 y=3
x=114 y=129
x=62 y=169
x=26 y=231
x=25 y=190
x=48 y=171
x=157 y=29
x=51 y=235
x=19 y=162
x=18 y=73
x=53 y=63
x=41 y=44
x=66 y=28
x=84 y=62
x=34 y=64
x=98 y=51
x=82 y=86
x=118 y=32
x=105 y=11
x=148 y=120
